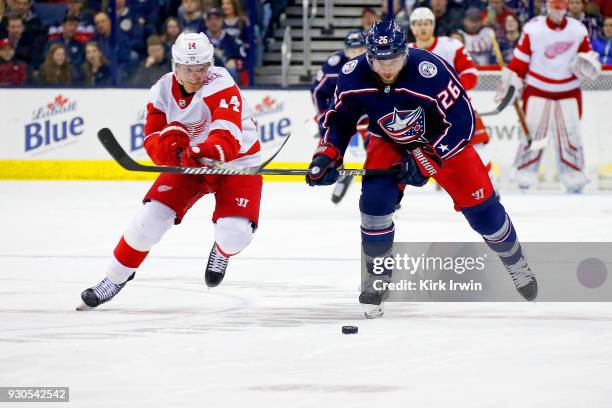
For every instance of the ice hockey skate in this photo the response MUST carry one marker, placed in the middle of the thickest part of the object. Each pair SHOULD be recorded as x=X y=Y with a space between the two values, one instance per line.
x=373 y=294
x=215 y=268
x=524 y=279
x=101 y=293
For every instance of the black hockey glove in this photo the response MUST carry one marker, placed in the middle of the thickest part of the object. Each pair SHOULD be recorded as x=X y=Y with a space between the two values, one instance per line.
x=324 y=166
x=418 y=166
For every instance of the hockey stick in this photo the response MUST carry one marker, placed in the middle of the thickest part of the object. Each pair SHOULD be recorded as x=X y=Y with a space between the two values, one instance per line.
x=517 y=107
x=503 y=104
x=113 y=147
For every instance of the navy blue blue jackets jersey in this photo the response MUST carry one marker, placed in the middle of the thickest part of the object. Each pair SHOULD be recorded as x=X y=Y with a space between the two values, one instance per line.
x=322 y=89
x=425 y=105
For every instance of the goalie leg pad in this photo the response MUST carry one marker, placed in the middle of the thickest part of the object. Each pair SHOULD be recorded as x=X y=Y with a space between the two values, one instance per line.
x=568 y=143
x=233 y=234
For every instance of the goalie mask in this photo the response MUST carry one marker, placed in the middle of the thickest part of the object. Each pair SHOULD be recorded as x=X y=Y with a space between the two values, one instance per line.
x=556 y=10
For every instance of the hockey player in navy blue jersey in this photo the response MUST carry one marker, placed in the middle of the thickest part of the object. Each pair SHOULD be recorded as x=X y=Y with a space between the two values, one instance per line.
x=421 y=121
x=323 y=87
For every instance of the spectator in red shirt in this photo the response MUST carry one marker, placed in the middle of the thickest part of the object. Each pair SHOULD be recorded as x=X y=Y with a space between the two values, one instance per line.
x=11 y=72
x=495 y=17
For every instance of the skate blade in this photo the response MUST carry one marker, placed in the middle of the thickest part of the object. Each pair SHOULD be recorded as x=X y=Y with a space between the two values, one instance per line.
x=373 y=311
x=83 y=307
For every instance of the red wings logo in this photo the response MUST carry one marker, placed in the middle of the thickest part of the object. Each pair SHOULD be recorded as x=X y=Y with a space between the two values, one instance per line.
x=558 y=48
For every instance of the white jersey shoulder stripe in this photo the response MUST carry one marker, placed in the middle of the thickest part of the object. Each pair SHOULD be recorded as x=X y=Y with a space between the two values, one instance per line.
x=218 y=80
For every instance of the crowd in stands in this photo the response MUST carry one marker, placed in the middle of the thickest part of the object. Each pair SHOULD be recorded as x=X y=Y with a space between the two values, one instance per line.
x=72 y=42
x=474 y=21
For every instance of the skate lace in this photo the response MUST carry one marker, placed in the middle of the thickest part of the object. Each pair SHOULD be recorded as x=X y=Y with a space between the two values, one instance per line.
x=520 y=273
x=217 y=262
x=106 y=289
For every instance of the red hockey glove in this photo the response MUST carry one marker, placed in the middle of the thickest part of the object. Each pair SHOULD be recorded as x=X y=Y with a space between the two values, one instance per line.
x=217 y=146
x=165 y=147
x=324 y=166
x=419 y=165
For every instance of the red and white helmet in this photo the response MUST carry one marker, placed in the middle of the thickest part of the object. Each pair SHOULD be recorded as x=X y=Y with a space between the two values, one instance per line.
x=192 y=49
x=422 y=13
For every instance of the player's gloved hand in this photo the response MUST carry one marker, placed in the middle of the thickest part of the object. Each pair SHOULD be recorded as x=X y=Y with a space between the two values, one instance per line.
x=324 y=166
x=586 y=65
x=508 y=78
x=218 y=146
x=418 y=166
x=164 y=147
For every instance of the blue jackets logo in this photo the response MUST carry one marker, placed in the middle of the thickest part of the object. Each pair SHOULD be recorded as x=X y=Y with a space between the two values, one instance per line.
x=404 y=126
x=53 y=124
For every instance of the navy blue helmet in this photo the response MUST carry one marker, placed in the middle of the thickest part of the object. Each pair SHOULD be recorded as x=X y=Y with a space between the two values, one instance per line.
x=355 y=39
x=386 y=40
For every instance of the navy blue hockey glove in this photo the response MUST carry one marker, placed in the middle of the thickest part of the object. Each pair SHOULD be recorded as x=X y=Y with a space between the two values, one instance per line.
x=418 y=166
x=324 y=166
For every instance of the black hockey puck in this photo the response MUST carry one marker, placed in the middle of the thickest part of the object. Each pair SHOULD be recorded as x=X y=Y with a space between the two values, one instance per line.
x=350 y=329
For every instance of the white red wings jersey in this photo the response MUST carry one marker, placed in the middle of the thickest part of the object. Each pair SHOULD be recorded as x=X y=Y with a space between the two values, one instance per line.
x=545 y=53
x=216 y=107
x=452 y=51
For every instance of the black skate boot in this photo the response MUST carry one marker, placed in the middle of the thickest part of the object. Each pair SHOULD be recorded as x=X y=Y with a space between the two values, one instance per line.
x=215 y=268
x=524 y=279
x=341 y=188
x=373 y=293
x=101 y=293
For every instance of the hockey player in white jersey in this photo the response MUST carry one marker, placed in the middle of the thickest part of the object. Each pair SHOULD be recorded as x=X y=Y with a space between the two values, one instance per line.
x=194 y=112
x=553 y=56
x=422 y=24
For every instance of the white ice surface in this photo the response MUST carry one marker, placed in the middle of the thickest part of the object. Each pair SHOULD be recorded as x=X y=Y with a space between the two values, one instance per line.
x=269 y=336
